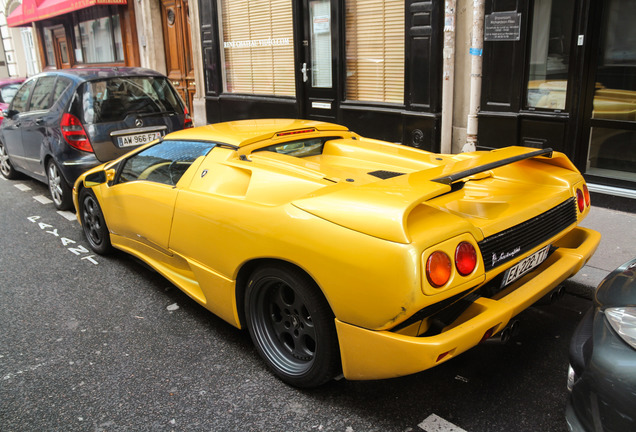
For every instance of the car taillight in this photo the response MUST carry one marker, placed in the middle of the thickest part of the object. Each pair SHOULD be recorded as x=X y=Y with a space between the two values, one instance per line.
x=465 y=258
x=586 y=193
x=580 y=200
x=438 y=269
x=187 y=121
x=74 y=133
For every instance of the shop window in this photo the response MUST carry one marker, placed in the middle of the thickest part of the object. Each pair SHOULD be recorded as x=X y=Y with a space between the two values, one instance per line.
x=258 y=47
x=550 y=54
x=375 y=50
x=98 y=36
x=48 y=46
x=615 y=94
x=612 y=151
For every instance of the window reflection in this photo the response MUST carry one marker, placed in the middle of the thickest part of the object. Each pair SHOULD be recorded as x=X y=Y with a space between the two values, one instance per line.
x=550 y=54
x=615 y=95
x=612 y=150
x=98 y=36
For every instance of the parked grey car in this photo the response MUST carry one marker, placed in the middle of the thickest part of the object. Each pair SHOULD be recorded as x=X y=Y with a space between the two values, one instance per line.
x=602 y=376
x=64 y=122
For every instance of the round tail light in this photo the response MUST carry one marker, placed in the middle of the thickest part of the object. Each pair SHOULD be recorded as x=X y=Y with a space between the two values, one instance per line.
x=586 y=193
x=438 y=269
x=465 y=258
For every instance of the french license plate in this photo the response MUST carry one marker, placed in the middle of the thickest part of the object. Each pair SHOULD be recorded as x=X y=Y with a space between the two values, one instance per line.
x=524 y=266
x=137 y=139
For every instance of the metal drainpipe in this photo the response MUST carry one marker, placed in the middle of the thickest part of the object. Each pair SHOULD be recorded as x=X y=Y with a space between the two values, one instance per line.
x=448 y=82
x=476 y=50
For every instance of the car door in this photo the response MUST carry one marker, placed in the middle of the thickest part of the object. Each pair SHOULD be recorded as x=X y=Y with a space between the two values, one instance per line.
x=140 y=204
x=35 y=122
x=11 y=125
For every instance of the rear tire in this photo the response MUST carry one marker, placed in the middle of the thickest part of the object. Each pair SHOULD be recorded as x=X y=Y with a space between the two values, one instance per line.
x=60 y=191
x=6 y=168
x=93 y=223
x=292 y=326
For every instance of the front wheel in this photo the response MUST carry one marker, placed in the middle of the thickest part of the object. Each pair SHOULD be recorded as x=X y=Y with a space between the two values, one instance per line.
x=6 y=168
x=93 y=223
x=60 y=191
x=292 y=326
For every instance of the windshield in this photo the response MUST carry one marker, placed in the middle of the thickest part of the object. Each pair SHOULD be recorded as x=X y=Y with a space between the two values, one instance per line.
x=112 y=99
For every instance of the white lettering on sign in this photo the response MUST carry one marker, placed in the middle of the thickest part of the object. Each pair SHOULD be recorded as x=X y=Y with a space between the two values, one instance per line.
x=256 y=43
x=78 y=250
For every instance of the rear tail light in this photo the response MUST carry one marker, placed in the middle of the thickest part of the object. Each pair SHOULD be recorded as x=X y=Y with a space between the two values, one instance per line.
x=465 y=258
x=586 y=194
x=438 y=269
x=74 y=133
x=187 y=121
x=580 y=200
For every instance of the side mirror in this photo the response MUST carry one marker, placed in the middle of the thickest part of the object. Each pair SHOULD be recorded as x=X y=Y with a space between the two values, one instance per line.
x=95 y=179
x=8 y=113
x=100 y=177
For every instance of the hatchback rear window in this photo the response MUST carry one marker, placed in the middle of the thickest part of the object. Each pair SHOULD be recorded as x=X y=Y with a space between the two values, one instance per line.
x=112 y=99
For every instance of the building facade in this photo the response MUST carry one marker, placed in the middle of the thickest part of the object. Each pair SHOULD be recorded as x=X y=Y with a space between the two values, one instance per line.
x=155 y=34
x=557 y=74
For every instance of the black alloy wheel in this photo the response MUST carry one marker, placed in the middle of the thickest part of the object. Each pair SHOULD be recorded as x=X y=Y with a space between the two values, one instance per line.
x=60 y=191
x=292 y=326
x=93 y=223
x=6 y=169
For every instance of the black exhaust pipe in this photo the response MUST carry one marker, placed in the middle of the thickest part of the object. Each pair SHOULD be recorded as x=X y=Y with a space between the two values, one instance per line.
x=552 y=297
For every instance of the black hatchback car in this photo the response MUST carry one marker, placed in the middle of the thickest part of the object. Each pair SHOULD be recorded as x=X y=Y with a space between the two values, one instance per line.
x=602 y=377
x=64 y=122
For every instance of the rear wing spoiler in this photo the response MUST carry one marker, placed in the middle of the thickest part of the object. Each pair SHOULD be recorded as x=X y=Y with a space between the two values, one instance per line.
x=452 y=178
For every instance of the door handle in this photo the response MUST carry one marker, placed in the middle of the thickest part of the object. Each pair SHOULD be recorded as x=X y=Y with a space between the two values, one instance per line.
x=304 y=70
x=39 y=121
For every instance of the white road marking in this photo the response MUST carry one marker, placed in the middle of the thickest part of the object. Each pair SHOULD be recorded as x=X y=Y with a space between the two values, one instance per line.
x=434 y=423
x=42 y=199
x=22 y=187
x=70 y=216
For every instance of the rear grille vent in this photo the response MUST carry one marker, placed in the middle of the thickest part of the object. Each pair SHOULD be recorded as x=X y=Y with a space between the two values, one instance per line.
x=385 y=174
x=506 y=245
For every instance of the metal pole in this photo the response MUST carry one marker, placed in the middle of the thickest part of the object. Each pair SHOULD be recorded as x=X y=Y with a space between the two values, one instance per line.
x=448 y=82
x=476 y=50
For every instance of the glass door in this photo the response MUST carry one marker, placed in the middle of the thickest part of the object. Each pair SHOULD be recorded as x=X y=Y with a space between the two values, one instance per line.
x=612 y=142
x=318 y=66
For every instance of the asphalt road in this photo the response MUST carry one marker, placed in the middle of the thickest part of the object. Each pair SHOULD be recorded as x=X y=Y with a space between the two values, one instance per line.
x=89 y=343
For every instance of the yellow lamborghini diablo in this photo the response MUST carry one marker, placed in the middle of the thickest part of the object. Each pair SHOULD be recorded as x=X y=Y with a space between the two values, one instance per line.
x=339 y=253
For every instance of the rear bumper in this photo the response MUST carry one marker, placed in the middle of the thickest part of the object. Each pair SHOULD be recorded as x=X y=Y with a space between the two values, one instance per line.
x=368 y=354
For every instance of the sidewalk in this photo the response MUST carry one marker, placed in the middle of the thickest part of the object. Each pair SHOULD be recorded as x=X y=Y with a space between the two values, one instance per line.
x=618 y=245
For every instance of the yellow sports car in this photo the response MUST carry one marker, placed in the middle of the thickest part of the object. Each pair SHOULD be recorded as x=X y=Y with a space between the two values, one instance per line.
x=343 y=254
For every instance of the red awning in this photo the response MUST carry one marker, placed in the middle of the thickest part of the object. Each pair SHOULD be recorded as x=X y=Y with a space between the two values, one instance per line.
x=36 y=10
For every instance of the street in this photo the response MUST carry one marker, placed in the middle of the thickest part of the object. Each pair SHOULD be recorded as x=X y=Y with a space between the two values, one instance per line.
x=92 y=343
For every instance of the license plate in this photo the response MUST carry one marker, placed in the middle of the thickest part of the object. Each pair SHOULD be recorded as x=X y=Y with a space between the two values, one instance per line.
x=137 y=139
x=524 y=266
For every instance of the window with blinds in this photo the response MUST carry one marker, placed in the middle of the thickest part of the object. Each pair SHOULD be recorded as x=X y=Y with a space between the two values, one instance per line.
x=375 y=50
x=258 y=47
